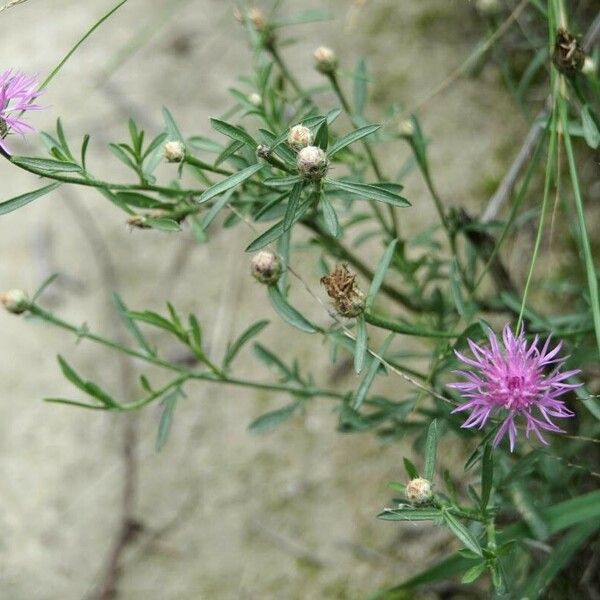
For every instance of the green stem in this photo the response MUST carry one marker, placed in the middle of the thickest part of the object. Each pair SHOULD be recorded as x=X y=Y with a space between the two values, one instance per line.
x=384 y=323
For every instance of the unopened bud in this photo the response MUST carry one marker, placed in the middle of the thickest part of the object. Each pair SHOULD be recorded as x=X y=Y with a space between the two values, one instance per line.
x=489 y=7
x=406 y=128
x=312 y=163
x=263 y=151
x=138 y=222
x=300 y=137
x=325 y=60
x=15 y=301
x=348 y=298
x=255 y=99
x=266 y=267
x=174 y=151
x=258 y=19
x=589 y=66
x=418 y=491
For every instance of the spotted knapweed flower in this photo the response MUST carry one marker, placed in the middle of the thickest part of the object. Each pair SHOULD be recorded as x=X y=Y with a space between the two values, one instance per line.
x=518 y=380
x=17 y=93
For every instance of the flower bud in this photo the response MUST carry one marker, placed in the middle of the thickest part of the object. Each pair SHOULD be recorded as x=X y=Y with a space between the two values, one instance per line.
x=15 y=301
x=263 y=151
x=589 y=66
x=406 y=128
x=325 y=60
x=299 y=137
x=255 y=99
x=418 y=491
x=266 y=267
x=174 y=151
x=258 y=19
x=312 y=163
x=348 y=298
x=489 y=7
x=138 y=222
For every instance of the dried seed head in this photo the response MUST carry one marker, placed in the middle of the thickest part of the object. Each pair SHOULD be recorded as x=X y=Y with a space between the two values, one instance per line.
x=15 y=301
x=568 y=57
x=325 y=60
x=255 y=99
x=348 y=298
x=174 y=151
x=300 y=137
x=263 y=151
x=266 y=267
x=489 y=7
x=312 y=163
x=406 y=128
x=418 y=491
x=589 y=66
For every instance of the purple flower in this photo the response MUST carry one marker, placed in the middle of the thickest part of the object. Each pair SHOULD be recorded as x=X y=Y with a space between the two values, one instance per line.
x=516 y=380
x=17 y=92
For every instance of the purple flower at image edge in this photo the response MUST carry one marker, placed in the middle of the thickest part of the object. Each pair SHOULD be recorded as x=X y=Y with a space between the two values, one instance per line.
x=17 y=93
x=514 y=380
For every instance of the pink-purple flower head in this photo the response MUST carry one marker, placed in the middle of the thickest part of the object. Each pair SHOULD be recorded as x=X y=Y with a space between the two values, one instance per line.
x=515 y=380
x=17 y=93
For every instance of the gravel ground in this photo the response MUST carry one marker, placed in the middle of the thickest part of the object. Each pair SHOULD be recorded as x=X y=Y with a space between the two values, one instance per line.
x=223 y=513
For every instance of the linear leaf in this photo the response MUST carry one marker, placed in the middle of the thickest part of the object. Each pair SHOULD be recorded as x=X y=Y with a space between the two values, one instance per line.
x=369 y=192
x=233 y=132
x=365 y=384
x=228 y=183
x=247 y=335
x=19 y=201
x=273 y=419
x=288 y=313
x=351 y=137
x=46 y=164
x=360 y=350
x=462 y=533
x=169 y=403
x=431 y=449
x=382 y=268
x=329 y=217
x=292 y=205
x=130 y=324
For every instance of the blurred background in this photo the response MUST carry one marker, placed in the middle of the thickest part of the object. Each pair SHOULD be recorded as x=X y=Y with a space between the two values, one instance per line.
x=89 y=509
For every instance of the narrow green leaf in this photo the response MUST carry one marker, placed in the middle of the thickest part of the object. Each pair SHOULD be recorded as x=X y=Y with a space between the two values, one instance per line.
x=369 y=192
x=228 y=151
x=46 y=165
x=130 y=324
x=216 y=208
x=474 y=573
x=247 y=335
x=431 y=449
x=487 y=475
x=271 y=360
x=365 y=384
x=380 y=272
x=361 y=344
x=322 y=136
x=163 y=224
x=292 y=205
x=155 y=319
x=360 y=86
x=410 y=514
x=273 y=419
x=350 y=138
x=172 y=129
x=196 y=334
x=233 y=132
x=19 y=201
x=332 y=224
x=229 y=183
x=411 y=470
x=462 y=533
x=590 y=129
x=288 y=313
x=168 y=403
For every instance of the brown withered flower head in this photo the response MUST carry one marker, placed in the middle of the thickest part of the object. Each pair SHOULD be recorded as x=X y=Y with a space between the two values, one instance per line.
x=568 y=57
x=348 y=299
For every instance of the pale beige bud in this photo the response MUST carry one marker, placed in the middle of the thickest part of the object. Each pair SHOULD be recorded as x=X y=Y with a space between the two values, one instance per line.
x=255 y=99
x=258 y=19
x=174 y=151
x=15 y=301
x=589 y=66
x=406 y=128
x=325 y=59
x=312 y=163
x=265 y=267
x=299 y=137
x=489 y=7
x=418 y=491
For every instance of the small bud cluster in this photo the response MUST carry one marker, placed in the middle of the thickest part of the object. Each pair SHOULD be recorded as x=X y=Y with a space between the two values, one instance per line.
x=299 y=137
x=15 y=301
x=418 y=491
x=312 y=163
x=266 y=267
x=174 y=151
x=348 y=298
x=568 y=57
x=325 y=60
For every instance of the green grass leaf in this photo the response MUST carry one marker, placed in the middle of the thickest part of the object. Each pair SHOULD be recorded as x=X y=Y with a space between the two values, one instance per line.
x=288 y=313
x=20 y=201
x=228 y=183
